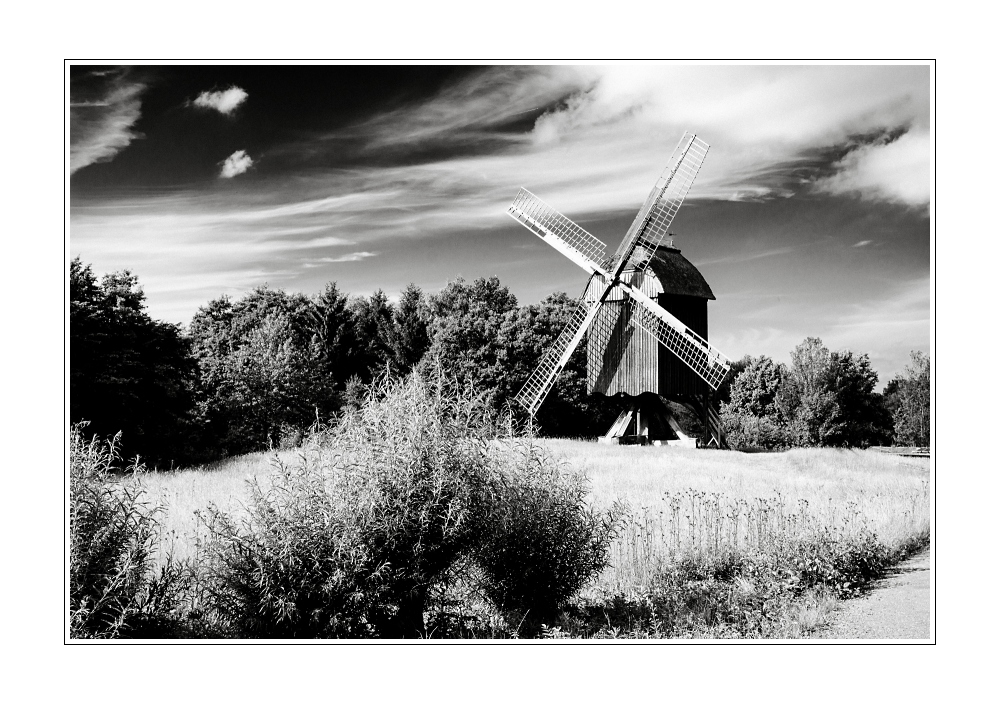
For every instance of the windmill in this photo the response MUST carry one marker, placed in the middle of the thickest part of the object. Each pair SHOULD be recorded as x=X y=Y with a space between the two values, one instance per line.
x=622 y=295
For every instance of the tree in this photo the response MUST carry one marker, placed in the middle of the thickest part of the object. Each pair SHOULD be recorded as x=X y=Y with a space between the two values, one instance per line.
x=911 y=397
x=128 y=372
x=568 y=410
x=865 y=419
x=752 y=418
x=267 y=366
x=807 y=400
x=409 y=338
x=333 y=328
x=373 y=331
x=466 y=323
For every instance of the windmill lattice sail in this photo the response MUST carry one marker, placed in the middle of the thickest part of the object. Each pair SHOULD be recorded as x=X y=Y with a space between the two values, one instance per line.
x=652 y=223
x=706 y=361
x=548 y=223
x=534 y=391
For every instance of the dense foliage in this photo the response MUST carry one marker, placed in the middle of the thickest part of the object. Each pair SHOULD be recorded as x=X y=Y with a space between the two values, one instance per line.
x=823 y=399
x=908 y=397
x=128 y=372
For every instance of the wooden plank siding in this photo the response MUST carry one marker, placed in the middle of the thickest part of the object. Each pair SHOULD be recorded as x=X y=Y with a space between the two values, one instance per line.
x=621 y=357
x=624 y=358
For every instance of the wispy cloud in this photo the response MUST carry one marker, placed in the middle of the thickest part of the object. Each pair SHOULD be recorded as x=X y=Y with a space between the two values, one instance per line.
x=894 y=171
x=104 y=107
x=350 y=257
x=237 y=163
x=737 y=258
x=224 y=102
x=861 y=244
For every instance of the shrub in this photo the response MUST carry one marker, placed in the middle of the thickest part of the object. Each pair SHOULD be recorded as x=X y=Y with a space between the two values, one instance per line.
x=540 y=543
x=115 y=587
x=380 y=510
x=746 y=432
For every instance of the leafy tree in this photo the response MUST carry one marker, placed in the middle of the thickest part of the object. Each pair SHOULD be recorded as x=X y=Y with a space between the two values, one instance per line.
x=266 y=366
x=373 y=335
x=824 y=399
x=866 y=421
x=409 y=339
x=752 y=417
x=910 y=394
x=128 y=372
x=721 y=395
x=807 y=400
x=567 y=410
x=478 y=330
x=466 y=323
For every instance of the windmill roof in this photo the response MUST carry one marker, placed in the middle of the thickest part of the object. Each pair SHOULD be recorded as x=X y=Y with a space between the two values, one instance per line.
x=677 y=275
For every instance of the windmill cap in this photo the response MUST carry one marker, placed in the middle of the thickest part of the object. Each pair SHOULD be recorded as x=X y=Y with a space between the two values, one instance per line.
x=677 y=275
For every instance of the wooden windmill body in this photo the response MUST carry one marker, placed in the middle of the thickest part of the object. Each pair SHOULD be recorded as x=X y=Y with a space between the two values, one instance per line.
x=644 y=310
x=660 y=390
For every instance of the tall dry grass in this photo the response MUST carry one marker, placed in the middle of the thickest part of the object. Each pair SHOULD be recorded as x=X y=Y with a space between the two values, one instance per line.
x=706 y=502
x=184 y=493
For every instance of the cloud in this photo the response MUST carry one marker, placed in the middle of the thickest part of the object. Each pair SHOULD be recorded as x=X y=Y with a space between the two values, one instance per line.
x=746 y=258
x=861 y=244
x=895 y=171
x=350 y=257
x=104 y=107
x=224 y=102
x=237 y=163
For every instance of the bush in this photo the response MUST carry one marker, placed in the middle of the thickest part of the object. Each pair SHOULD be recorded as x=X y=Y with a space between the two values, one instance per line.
x=382 y=509
x=115 y=587
x=540 y=544
x=746 y=432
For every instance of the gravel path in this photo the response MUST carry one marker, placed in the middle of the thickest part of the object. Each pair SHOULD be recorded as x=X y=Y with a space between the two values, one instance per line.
x=899 y=608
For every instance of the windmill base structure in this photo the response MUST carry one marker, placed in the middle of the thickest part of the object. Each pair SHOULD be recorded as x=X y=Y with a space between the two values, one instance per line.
x=653 y=420
x=643 y=311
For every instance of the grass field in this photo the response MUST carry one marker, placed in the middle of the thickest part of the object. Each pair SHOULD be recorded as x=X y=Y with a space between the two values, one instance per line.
x=699 y=504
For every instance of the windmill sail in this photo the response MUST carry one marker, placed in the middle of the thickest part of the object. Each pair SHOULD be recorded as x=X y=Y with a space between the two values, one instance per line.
x=653 y=221
x=558 y=231
x=533 y=392
x=692 y=349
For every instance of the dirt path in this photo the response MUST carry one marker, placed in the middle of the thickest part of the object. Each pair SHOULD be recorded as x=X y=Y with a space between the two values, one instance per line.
x=899 y=608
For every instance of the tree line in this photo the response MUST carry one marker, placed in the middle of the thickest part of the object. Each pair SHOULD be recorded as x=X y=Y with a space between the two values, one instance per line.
x=256 y=372
x=824 y=398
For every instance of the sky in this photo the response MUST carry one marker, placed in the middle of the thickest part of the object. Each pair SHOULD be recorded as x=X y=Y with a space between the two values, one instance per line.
x=809 y=218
